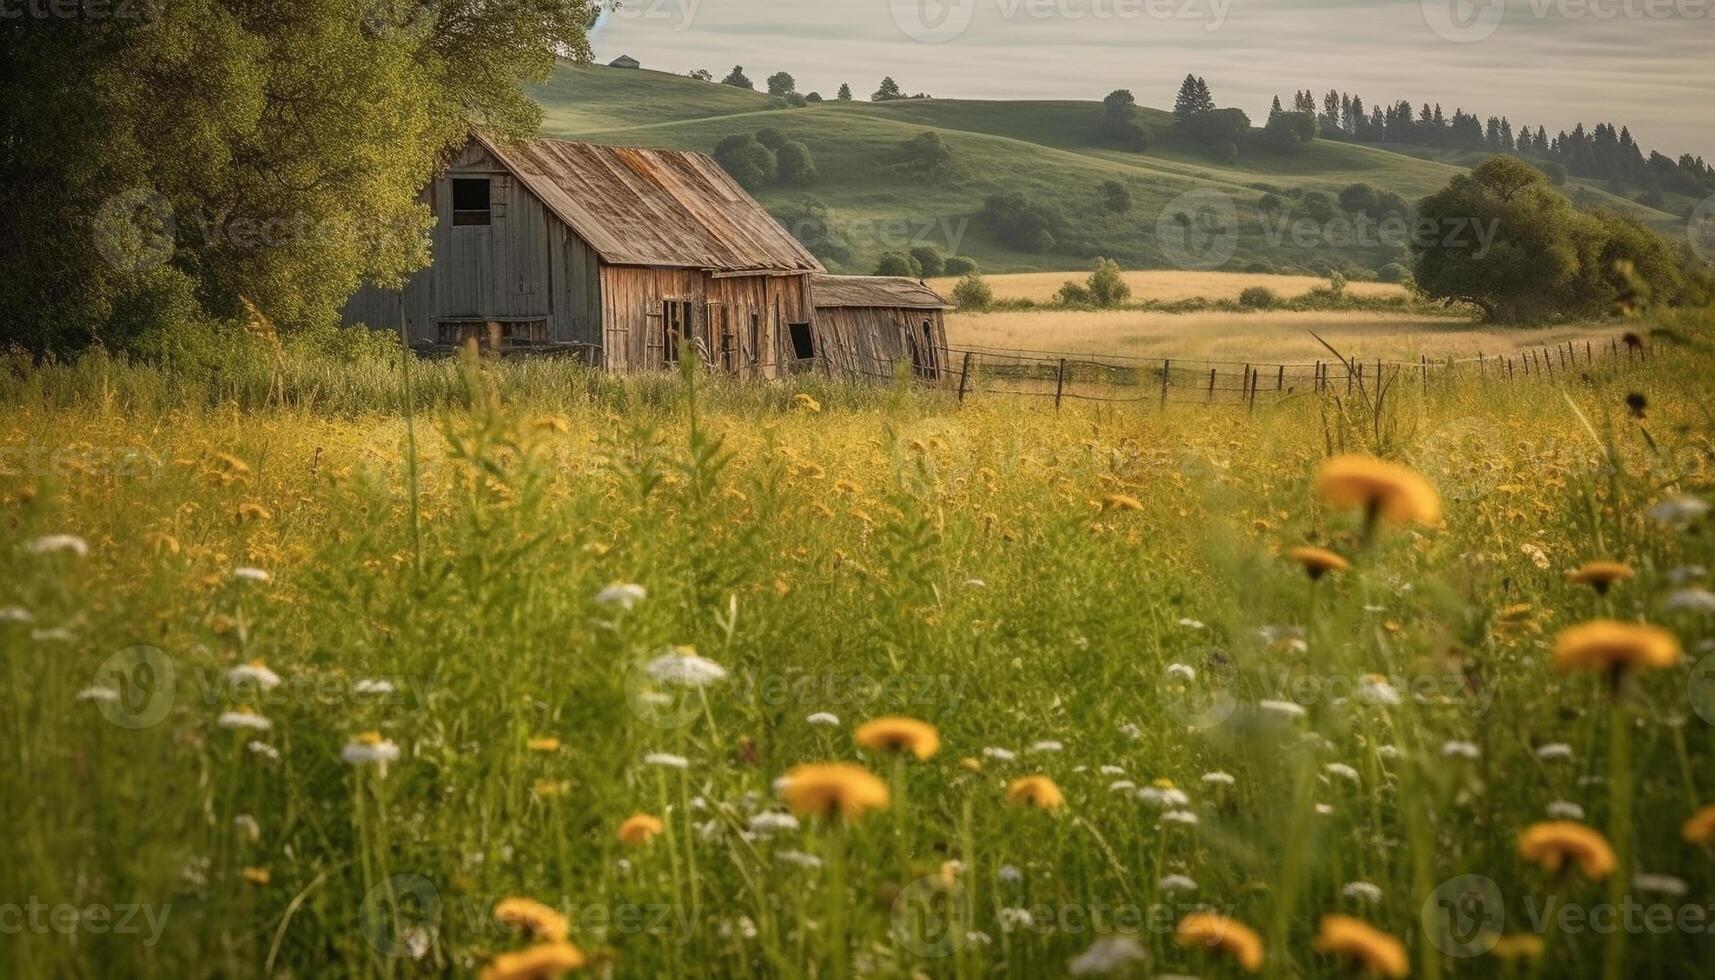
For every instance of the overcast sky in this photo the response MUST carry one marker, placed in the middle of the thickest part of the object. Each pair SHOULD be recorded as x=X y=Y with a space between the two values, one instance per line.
x=1641 y=63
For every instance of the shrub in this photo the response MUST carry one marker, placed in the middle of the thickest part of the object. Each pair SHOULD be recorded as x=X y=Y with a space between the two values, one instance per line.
x=1393 y=272
x=898 y=264
x=1074 y=294
x=972 y=293
x=959 y=265
x=772 y=138
x=1021 y=223
x=1114 y=197
x=749 y=162
x=1319 y=206
x=1107 y=288
x=1259 y=298
x=928 y=260
x=795 y=166
x=926 y=155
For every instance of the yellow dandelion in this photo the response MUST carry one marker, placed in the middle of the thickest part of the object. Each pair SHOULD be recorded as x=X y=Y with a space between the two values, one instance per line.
x=543 y=743
x=1317 y=562
x=834 y=789
x=899 y=735
x=1614 y=647
x=1700 y=829
x=231 y=464
x=1553 y=843
x=1517 y=946
x=548 y=789
x=639 y=829
x=532 y=918
x=1362 y=944
x=1036 y=791
x=1120 y=501
x=805 y=402
x=1213 y=931
x=162 y=542
x=1601 y=575
x=557 y=424
x=972 y=763
x=543 y=961
x=250 y=510
x=1378 y=488
x=256 y=876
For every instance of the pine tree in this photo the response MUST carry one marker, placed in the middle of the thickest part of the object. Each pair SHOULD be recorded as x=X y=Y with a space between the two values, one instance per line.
x=1185 y=104
x=845 y=92
x=1205 y=100
x=1275 y=110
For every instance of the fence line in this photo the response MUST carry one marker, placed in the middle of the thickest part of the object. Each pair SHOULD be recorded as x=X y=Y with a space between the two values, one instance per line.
x=974 y=370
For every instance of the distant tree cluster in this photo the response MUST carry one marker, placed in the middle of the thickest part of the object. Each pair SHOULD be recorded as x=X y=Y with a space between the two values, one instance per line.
x=923 y=262
x=1197 y=116
x=1542 y=258
x=1603 y=153
x=1118 y=123
x=1023 y=224
x=888 y=91
x=765 y=157
x=1287 y=130
x=927 y=156
x=1105 y=288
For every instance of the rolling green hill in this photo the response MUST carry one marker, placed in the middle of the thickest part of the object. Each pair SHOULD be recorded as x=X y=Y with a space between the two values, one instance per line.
x=1042 y=149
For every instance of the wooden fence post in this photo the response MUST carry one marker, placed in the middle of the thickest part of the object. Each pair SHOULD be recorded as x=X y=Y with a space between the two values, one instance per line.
x=1280 y=379
x=1166 y=372
x=1211 y=384
x=1548 y=363
x=964 y=375
x=1423 y=359
x=1059 y=384
x=1589 y=357
x=1482 y=365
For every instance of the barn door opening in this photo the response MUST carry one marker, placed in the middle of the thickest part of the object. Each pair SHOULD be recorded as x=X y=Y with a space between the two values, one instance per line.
x=725 y=336
x=931 y=368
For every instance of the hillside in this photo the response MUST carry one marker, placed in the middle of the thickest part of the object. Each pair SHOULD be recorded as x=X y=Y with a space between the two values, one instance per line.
x=1041 y=149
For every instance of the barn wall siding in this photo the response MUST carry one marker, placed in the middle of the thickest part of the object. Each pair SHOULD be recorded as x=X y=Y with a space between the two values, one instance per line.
x=868 y=342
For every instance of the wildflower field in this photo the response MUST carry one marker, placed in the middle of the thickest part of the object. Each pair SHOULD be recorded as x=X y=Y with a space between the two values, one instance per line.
x=525 y=670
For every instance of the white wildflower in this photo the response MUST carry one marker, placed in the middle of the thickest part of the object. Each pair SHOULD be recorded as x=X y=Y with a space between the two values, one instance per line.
x=53 y=634
x=667 y=760
x=1388 y=751
x=681 y=665
x=1551 y=751
x=770 y=822
x=1110 y=954
x=1677 y=511
x=1121 y=786
x=1457 y=749
x=1686 y=573
x=98 y=693
x=373 y=686
x=1342 y=770
x=244 y=719
x=1010 y=874
x=1324 y=809
x=1163 y=797
x=53 y=543
x=1177 y=883
x=1184 y=672
x=248 y=827
x=1660 y=884
x=1565 y=810
x=622 y=595
x=1000 y=755
x=825 y=718
x=1286 y=709
x=1218 y=778
x=264 y=750
x=978 y=938
x=975 y=583
x=15 y=614
x=1131 y=731
x=1191 y=624
x=250 y=573
x=1185 y=817
x=1363 y=890
x=799 y=858
x=253 y=673
x=1377 y=690
x=1111 y=771
x=1046 y=745
x=363 y=752
x=1690 y=600
x=1011 y=919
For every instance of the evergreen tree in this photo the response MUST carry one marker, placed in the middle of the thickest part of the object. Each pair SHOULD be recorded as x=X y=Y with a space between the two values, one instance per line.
x=888 y=92
x=738 y=79
x=845 y=93
x=1185 y=104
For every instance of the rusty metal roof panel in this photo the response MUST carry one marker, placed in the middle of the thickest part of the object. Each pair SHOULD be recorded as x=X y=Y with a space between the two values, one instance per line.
x=873 y=291
x=653 y=207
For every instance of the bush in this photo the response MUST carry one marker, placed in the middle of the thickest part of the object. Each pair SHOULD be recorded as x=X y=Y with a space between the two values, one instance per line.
x=1393 y=272
x=926 y=155
x=749 y=162
x=972 y=293
x=1114 y=197
x=1259 y=298
x=1106 y=286
x=1074 y=294
x=1021 y=223
x=794 y=164
x=1218 y=127
x=1319 y=206
x=898 y=264
x=1287 y=131
x=928 y=260
x=772 y=138
x=960 y=265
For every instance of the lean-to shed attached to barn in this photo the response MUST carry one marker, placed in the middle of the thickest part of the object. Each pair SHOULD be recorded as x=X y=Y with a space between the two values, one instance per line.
x=867 y=324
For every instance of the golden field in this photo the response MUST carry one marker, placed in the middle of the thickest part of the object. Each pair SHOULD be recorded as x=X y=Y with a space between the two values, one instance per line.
x=1167 y=285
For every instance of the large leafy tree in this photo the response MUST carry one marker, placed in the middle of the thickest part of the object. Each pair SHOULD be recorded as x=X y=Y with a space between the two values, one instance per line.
x=200 y=155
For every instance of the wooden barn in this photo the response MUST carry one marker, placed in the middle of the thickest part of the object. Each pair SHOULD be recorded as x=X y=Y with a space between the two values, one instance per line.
x=631 y=256
x=867 y=324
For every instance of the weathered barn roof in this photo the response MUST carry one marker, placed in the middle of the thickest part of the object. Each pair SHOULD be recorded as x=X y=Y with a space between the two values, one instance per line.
x=653 y=207
x=873 y=291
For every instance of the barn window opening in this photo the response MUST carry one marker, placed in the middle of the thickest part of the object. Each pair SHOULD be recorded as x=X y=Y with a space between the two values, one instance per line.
x=755 y=337
x=803 y=341
x=471 y=201
x=675 y=329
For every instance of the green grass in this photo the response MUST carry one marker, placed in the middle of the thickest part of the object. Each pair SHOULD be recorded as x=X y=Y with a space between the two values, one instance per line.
x=1041 y=148
x=892 y=553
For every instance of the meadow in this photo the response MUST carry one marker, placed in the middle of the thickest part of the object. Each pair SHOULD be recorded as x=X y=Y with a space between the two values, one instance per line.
x=511 y=672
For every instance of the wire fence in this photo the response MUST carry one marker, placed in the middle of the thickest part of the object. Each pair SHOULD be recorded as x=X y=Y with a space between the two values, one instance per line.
x=976 y=371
